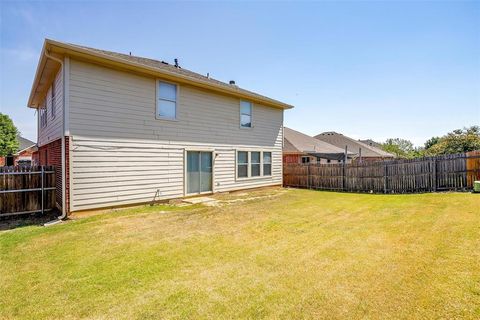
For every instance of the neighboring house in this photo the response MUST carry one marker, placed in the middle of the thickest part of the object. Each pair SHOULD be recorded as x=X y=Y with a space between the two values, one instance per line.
x=23 y=156
x=125 y=130
x=301 y=148
x=364 y=152
x=371 y=143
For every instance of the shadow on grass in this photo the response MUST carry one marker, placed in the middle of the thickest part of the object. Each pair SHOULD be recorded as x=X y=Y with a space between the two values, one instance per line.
x=34 y=219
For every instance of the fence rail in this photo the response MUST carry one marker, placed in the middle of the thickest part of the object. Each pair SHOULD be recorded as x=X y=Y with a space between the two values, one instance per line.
x=449 y=172
x=26 y=189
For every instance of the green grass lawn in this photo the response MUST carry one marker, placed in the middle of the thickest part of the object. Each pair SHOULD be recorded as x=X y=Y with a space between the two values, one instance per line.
x=297 y=254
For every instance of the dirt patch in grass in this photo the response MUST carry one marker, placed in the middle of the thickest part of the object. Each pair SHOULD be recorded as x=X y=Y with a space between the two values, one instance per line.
x=36 y=219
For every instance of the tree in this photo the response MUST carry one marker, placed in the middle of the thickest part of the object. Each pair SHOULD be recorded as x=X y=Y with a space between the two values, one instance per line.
x=457 y=141
x=432 y=141
x=400 y=147
x=8 y=136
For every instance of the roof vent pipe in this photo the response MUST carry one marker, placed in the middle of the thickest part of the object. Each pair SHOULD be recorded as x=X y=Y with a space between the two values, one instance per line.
x=176 y=63
x=232 y=82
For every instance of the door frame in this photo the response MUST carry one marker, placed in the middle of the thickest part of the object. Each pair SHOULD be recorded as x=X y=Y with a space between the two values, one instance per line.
x=185 y=186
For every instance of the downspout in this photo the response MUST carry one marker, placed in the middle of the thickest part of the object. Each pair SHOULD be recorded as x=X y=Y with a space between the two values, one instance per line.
x=64 y=183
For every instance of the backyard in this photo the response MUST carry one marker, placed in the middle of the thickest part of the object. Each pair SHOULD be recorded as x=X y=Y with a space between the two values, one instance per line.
x=271 y=253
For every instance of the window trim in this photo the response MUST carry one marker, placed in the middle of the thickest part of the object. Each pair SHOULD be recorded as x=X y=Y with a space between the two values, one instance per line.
x=237 y=164
x=53 y=108
x=214 y=157
x=43 y=114
x=249 y=165
x=263 y=164
x=240 y=113
x=157 y=99
x=260 y=164
x=46 y=112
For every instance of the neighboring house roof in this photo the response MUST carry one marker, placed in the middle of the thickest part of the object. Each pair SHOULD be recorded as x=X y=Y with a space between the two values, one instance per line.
x=24 y=144
x=298 y=142
x=371 y=143
x=47 y=67
x=339 y=140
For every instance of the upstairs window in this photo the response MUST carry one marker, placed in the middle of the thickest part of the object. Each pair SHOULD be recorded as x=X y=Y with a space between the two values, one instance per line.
x=245 y=114
x=167 y=101
x=53 y=107
x=43 y=116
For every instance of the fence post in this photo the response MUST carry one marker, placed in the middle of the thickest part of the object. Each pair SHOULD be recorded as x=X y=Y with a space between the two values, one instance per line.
x=434 y=174
x=308 y=175
x=42 y=181
x=4 y=185
x=345 y=158
x=385 y=173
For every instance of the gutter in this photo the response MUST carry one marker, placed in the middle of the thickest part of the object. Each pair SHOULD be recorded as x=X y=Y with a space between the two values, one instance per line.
x=20 y=151
x=64 y=169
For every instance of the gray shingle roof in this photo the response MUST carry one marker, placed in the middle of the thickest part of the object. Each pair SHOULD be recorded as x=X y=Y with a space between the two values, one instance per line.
x=353 y=145
x=164 y=66
x=24 y=143
x=299 y=142
x=371 y=143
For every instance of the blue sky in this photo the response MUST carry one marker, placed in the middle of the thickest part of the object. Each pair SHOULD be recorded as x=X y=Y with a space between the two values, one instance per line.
x=366 y=69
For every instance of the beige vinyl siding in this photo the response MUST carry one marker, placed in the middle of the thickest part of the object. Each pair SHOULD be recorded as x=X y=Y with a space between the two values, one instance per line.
x=54 y=128
x=109 y=103
x=110 y=172
x=121 y=154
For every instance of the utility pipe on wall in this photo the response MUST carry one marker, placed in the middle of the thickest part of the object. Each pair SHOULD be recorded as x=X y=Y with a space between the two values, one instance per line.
x=64 y=209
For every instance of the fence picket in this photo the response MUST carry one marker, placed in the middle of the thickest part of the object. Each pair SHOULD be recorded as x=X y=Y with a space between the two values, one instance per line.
x=441 y=173
x=22 y=187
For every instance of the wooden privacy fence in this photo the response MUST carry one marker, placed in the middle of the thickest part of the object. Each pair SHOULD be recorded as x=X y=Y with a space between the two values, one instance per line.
x=26 y=189
x=449 y=172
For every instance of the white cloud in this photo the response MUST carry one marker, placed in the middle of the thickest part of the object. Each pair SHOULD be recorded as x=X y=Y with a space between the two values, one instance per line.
x=27 y=15
x=22 y=54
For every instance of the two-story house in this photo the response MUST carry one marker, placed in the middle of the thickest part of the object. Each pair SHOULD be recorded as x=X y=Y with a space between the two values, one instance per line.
x=123 y=130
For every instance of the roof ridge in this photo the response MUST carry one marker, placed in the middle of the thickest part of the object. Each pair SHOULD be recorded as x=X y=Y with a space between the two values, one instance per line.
x=150 y=66
x=139 y=57
x=371 y=148
x=187 y=72
x=362 y=144
x=317 y=142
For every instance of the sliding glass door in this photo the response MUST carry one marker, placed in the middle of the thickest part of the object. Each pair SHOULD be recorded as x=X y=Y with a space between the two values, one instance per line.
x=199 y=172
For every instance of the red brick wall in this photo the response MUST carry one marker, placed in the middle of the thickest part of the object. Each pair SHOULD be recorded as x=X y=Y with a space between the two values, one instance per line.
x=67 y=173
x=2 y=161
x=25 y=153
x=51 y=155
x=35 y=158
x=292 y=158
